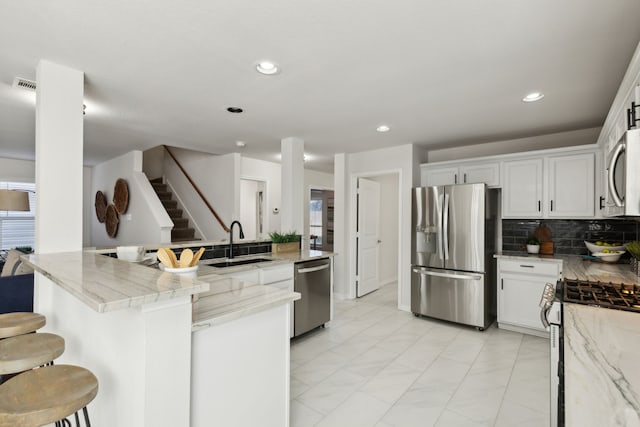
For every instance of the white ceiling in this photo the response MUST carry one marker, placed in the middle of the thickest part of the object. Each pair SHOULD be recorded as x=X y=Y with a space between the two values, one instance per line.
x=440 y=73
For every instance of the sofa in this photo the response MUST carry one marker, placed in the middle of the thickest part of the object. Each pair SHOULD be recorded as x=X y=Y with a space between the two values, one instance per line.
x=16 y=284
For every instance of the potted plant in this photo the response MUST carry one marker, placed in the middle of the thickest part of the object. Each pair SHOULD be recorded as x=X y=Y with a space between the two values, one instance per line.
x=284 y=242
x=533 y=245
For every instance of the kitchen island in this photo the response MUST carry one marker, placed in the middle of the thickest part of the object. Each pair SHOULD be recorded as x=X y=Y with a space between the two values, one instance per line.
x=133 y=327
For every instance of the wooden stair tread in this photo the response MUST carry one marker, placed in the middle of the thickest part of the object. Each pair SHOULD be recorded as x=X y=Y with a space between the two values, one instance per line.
x=29 y=351
x=181 y=231
x=12 y=324
x=45 y=395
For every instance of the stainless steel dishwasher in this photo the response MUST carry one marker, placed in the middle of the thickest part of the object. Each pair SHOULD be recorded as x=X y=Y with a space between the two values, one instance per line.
x=312 y=279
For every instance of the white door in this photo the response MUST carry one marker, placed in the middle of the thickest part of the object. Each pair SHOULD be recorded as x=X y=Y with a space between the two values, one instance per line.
x=368 y=236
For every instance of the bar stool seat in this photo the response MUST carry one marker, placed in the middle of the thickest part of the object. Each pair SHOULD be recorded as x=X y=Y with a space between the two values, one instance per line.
x=29 y=351
x=46 y=395
x=13 y=324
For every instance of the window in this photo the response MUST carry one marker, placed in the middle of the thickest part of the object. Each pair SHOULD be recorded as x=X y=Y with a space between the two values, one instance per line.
x=18 y=228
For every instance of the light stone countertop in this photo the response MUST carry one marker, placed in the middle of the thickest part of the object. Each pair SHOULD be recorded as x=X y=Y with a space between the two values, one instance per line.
x=574 y=267
x=105 y=284
x=602 y=382
x=230 y=299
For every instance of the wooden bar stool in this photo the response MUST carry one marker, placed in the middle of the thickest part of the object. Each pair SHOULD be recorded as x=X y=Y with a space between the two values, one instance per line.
x=47 y=395
x=24 y=352
x=13 y=324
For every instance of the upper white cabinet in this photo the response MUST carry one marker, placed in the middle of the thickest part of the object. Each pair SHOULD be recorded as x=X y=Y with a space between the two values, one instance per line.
x=571 y=186
x=488 y=173
x=522 y=189
x=550 y=187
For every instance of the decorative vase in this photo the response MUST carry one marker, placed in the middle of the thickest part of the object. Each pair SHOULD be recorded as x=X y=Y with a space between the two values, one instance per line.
x=533 y=249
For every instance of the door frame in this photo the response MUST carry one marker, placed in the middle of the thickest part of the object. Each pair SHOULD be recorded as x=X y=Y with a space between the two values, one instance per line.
x=307 y=220
x=353 y=218
x=267 y=206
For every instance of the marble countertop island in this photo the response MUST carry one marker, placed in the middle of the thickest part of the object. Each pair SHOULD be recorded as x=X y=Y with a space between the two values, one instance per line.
x=107 y=284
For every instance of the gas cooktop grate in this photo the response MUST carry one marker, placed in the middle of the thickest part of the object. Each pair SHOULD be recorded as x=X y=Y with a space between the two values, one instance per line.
x=618 y=296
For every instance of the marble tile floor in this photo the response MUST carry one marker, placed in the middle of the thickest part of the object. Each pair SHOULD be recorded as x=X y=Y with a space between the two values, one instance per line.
x=377 y=366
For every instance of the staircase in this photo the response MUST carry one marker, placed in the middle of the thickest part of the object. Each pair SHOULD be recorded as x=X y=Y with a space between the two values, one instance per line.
x=181 y=231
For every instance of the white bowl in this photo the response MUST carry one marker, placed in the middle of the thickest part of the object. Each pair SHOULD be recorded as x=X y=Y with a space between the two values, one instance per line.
x=191 y=272
x=593 y=248
x=130 y=253
x=609 y=257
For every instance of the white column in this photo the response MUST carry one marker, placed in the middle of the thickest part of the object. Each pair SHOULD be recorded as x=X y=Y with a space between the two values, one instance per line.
x=292 y=205
x=59 y=154
x=340 y=229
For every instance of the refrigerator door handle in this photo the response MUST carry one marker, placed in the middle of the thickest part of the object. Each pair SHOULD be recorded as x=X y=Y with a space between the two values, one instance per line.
x=445 y=226
x=439 y=226
x=447 y=275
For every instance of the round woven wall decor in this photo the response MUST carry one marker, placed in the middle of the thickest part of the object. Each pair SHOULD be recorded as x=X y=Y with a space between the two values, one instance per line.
x=121 y=196
x=111 y=221
x=101 y=206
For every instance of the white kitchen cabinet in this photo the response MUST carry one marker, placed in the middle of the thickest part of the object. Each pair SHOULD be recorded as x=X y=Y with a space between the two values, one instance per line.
x=488 y=173
x=561 y=186
x=571 y=182
x=252 y=275
x=520 y=286
x=522 y=186
x=280 y=276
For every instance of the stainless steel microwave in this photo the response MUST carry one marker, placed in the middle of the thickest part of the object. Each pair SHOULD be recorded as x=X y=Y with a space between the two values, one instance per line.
x=623 y=176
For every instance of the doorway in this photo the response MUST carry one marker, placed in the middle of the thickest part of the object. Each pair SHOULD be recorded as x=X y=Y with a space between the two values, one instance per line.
x=252 y=208
x=321 y=210
x=377 y=231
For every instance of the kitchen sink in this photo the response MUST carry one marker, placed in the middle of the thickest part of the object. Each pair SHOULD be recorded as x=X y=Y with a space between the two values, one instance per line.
x=232 y=263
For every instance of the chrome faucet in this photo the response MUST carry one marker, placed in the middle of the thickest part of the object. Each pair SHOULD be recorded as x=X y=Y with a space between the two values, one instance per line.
x=231 y=237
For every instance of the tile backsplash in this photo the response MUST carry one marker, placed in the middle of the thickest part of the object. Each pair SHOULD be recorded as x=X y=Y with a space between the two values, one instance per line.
x=568 y=236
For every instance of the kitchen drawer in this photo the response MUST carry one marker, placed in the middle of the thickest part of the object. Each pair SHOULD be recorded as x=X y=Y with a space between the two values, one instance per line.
x=527 y=266
x=270 y=275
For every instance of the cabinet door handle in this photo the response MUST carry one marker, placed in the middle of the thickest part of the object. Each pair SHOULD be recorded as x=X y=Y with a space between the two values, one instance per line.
x=539 y=206
x=527 y=266
x=501 y=283
x=455 y=178
x=601 y=201
x=552 y=206
x=465 y=178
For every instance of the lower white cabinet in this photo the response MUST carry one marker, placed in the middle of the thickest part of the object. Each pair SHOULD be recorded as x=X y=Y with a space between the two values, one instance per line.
x=280 y=276
x=520 y=286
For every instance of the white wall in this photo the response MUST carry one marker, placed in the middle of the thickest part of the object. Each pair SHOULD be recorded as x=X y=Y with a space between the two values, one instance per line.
x=317 y=181
x=218 y=177
x=269 y=172
x=145 y=221
x=17 y=170
x=402 y=159
x=153 y=162
x=540 y=142
x=389 y=208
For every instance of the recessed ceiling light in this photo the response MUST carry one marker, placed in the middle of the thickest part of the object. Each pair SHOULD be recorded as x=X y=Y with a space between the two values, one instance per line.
x=383 y=128
x=236 y=110
x=267 y=67
x=533 y=96
x=240 y=143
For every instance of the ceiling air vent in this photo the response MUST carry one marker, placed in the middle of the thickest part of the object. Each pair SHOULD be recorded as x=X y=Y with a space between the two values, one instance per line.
x=21 y=83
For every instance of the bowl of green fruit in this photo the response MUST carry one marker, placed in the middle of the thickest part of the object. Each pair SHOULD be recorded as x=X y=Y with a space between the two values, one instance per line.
x=603 y=247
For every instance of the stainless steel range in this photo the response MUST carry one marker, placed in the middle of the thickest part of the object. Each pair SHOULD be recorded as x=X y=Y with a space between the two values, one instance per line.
x=617 y=296
x=608 y=295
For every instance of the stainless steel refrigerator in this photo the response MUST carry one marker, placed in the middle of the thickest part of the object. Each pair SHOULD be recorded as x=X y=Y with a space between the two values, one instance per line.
x=455 y=233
